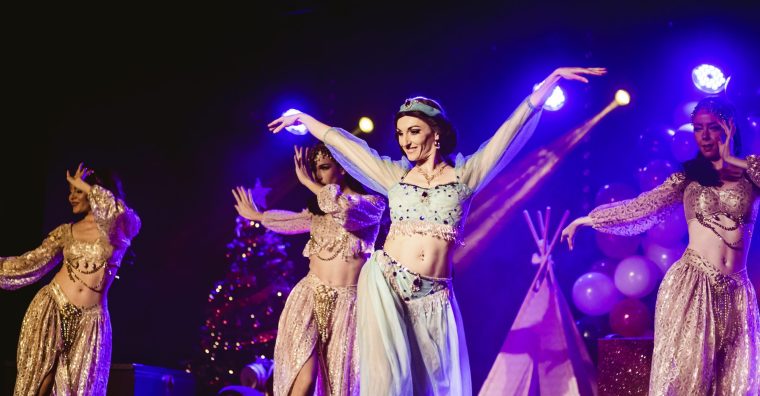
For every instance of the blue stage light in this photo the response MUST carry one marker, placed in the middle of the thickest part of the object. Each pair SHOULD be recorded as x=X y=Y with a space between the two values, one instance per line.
x=708 y=78
x=556 y=99
x=298 y=129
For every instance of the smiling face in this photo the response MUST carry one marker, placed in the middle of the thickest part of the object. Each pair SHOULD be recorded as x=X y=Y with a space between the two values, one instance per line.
x=416 y=138
x=78 y=201
x=708 y=133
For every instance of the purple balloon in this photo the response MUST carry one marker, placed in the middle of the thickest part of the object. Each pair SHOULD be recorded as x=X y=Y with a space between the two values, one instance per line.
x=636 y=276
x=671 y=231
x=654 y=173
x=613 y=192
x=595 y=294
x=617 y=246
x=663 y=257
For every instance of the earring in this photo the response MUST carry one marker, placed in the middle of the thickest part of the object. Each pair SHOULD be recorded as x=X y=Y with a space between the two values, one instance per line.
x=437 y=145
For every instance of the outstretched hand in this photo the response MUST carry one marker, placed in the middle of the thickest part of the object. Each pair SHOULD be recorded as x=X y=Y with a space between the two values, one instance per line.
x=245 y=205
x=568 y=234
x=285 y=121
x=546 y=88
x=577 y=73
x=77 y=181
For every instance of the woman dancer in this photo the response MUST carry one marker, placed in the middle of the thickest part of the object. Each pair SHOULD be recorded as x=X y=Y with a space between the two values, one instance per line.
x=316 y=336
x=65 y=342
x=707 y=324
x=410 y=335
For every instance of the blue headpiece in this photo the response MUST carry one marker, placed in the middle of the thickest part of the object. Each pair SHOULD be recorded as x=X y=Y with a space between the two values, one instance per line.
x=416 y=105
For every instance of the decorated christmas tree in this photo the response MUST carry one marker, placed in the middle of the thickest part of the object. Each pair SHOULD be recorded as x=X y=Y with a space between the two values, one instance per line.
x=244 y=308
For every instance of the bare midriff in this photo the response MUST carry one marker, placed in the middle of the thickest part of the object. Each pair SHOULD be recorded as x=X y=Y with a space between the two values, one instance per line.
x=725 y=259
x=79 y=294
x=426 y=255
x=337 y=272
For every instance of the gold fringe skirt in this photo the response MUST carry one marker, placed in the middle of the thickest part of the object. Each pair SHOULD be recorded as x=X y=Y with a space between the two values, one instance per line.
x=70 y=343
x=322 y=319
x=707 y=332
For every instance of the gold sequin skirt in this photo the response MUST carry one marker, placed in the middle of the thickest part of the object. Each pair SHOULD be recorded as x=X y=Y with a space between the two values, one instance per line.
x=322 y=319
x=707 y=332
x=71 y=343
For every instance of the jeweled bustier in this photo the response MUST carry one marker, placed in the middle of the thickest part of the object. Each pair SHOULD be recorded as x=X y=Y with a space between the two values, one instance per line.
x=437 y=211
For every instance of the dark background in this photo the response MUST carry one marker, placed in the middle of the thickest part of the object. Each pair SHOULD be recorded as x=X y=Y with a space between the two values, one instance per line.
x=177 y=101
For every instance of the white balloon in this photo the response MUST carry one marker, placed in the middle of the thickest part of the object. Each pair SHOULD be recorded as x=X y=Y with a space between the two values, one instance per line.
x=636 y=276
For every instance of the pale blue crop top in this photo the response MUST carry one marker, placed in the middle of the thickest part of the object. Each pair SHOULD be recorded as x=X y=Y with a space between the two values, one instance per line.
x=438 y=211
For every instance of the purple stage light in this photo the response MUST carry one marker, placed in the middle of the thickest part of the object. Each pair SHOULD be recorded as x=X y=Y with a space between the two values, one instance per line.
x=298 y=129
x=708 y=78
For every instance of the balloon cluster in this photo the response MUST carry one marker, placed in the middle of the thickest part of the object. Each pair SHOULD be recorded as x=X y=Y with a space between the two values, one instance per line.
x=631 y=267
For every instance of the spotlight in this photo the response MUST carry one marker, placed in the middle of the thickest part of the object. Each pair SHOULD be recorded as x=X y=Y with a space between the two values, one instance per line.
x=622 y=97
x=708 y=78
x=366 y=125
x=298 y=129
x=556 y=99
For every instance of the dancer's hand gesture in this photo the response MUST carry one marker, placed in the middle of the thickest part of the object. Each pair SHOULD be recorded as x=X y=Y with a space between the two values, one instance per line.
x=78 y=179
x=285 y=121
x=245 y=205
x=543 y=92
x=569 y=232
x=303 y=169
x=577 y=73
x=725 y=147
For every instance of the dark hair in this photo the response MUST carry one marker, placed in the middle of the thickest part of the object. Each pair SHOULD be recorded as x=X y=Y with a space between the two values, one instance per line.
x=447 y=135
x=700 y=169
x=107 y=179
x=321 y=150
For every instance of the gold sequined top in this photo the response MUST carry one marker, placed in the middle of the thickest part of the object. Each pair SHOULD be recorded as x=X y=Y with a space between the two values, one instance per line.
x=117 y=225
x=708 y=205
x=348 y=228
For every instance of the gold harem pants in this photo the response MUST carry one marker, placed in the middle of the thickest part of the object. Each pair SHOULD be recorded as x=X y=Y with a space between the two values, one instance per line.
x=322 y=319
x=71 y=343
x=707 y=332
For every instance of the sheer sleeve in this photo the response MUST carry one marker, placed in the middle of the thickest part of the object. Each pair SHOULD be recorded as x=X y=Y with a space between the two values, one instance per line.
x=753 y=169
x=363 y=163
x=353 y=212
x=16 y=272
x=287 y=222
x=479 y=168
x=637 y=215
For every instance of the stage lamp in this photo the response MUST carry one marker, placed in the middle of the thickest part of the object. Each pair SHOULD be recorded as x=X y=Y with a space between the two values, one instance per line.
x=622 y=97
x=298 y=129
x=555 y=101
x=708 y=78
x=366 y=125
